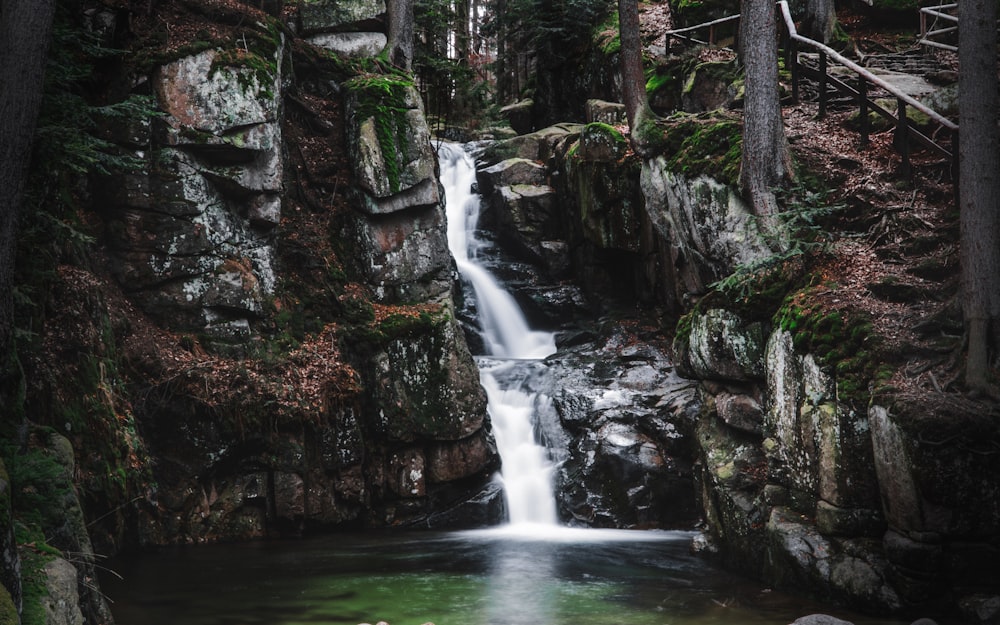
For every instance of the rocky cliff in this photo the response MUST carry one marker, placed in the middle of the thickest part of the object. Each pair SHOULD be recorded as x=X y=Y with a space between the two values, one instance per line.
x=816 y=465
x=258 y=335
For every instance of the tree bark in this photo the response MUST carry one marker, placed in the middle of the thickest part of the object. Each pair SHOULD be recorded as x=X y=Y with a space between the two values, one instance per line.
x=979 y=186
x=25 y=29
x=400 y=37
x=766 y=160
x=819 y=20
x=633 y=78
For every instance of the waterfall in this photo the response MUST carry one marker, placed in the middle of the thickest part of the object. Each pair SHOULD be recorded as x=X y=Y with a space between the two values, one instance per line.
x=527 y=470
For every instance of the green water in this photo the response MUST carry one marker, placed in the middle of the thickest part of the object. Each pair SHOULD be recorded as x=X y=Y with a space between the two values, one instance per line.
x=477 y=578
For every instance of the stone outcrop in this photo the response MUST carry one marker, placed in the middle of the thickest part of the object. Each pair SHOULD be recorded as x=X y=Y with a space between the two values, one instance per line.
x=799 y=479
x=295 y=349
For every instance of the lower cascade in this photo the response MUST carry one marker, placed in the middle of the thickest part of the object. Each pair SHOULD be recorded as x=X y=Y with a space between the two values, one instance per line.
x=527 y=468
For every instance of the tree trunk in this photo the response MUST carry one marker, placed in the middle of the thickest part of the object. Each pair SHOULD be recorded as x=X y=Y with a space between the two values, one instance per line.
x=979 y=187
x=819 y=20
x=766 y=160
x=463 y=36
x=25 y=27
x=633 y=78
x=400 y=39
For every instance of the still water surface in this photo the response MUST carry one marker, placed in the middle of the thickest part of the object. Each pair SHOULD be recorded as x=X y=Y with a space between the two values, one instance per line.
x=467 y=578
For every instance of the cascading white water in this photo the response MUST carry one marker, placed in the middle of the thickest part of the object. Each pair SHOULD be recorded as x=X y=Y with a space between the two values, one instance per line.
x=527 y=470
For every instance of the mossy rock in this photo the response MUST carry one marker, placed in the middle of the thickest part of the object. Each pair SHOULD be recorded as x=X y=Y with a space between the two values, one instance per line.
x=708 y=144
x=843 y=342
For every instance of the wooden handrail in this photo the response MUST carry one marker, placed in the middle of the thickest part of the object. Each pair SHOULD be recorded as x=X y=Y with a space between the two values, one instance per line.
x=679 y=33
x=861 y=71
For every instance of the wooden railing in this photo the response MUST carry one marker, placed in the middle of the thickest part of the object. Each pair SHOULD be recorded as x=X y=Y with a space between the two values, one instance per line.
x=793 y=42
x=927 y=37
x=687 y=34
x=905 y=131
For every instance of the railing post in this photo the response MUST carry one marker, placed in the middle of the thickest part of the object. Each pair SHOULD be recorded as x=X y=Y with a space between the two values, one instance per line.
x=863 y=110
x=794 y=55
x=822 y=84
x=903 y=136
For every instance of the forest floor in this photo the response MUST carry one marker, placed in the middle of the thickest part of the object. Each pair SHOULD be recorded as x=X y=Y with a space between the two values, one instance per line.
x=896 y=258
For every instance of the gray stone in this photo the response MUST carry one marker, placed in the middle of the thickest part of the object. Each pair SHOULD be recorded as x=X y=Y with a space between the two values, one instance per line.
x=411 y=162
x=61 y=602
x=519 y=116
x=612 y=113
x=892 y=463
x=820 y=619
x=600 y=144
x=351 y=45
x=204 y=98
x=329 y=15
x=819 y=446
x=711 y=227
x=725 y=347
x=406 y=255
x=740 y=411
x=513 y=171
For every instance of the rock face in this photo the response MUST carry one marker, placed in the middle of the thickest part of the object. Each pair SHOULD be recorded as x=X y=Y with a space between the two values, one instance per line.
x=284 y=241
x=628 y=421
x=798 y=481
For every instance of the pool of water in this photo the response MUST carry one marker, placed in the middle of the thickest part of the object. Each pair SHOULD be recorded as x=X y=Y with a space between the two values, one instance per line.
x=466 y=578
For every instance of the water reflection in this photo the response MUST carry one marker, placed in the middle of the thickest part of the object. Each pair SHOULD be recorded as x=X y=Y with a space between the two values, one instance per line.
x=470 y=578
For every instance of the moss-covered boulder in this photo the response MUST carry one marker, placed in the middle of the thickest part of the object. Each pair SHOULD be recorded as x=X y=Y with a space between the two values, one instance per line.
x=723 y=346
x=389 y=140
x=819 y=447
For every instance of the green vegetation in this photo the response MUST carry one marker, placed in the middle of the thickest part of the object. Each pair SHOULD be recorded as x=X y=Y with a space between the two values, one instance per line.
x=843 y=342
x=383 y=98
x=704 y=144
x=805 y=222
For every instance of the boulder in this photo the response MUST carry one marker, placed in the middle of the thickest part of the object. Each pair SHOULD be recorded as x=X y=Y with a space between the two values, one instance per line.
x=405 y=255
x=427 y=386
x=817 y=445
x=351 y=45
x=390 y=146
x=520 y=116
x=337 y=15
x=612 y=113
x=723 y=346
x=61 y=601
x=710 y=228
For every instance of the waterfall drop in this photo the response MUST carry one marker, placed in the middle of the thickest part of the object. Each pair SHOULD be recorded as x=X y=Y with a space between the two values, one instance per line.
x=527 y=469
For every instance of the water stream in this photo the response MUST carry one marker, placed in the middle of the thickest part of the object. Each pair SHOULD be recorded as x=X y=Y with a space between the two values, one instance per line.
x=527 y=469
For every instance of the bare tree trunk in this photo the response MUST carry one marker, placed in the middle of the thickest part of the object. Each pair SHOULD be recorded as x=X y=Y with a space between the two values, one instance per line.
x=400 y=36
x=462 y=32
x=25 y=28
x=819 y=20
x=766 y=160
x=979 y=187
x=633 y=78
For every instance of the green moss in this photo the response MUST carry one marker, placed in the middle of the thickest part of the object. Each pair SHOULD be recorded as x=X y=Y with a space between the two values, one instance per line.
x=34 y=554
x=8 y=611
x=682 y=331
x=659 y=80
x=383 y=99
x=254 y=72
x=843 y=342
x=706 y=144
